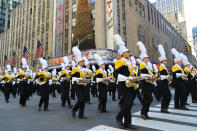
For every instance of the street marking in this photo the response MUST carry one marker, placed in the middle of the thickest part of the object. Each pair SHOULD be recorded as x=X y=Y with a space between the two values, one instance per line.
x=153 y=124
x=104 y=128
x=184 y=112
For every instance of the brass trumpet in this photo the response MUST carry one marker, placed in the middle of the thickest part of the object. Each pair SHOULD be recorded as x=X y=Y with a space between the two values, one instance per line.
x=131 y=83
x=105 y=81
x=42 y=80
x=169 y=79
x=81 y=82
x=150 y=80
x=184 y=78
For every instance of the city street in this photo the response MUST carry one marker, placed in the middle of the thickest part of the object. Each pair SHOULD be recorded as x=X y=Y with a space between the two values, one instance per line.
x=16 y=118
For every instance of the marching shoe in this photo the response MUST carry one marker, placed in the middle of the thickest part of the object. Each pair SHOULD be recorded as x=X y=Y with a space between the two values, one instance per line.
x=164 y=111
x=144 y=117
x=131 y=127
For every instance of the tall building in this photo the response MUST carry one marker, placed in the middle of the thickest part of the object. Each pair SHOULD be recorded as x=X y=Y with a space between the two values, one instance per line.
x=6 y=6
x=53 y=21
x=31 y=21
x=194 y=34
x=133 y=19
x=173 y=11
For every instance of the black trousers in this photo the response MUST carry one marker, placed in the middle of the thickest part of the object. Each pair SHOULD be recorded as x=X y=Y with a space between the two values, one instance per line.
x=44 y=96
x=87 y=93
x=94 y=90
x=14 y=90
x=180 y=96
x=24 y=92
x=102 y=89
x=73 y=92
x=7 y=90
x=53 y=89
x=112 y=86
x=165 y=94
x=45 y=100
x=147 y=90
x=80 y=104
x=128 y=96
x=194 y=91
x=188 y=85
x=65 y=93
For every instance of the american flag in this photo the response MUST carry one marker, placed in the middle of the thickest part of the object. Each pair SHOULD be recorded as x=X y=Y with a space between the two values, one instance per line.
x=39 y=51
x=6 y=61
x=25 y=53
x=15 y=58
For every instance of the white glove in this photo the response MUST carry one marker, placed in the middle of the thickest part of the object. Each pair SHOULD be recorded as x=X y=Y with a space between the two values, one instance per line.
x=143 y=76
x=122 y=78
x=163 y=77
x=13 y=82
x=28 y=81
x=50 y=82
x=178 y=75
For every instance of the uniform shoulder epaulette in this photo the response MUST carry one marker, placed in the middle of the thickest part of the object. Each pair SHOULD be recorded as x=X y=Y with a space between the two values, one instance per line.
x=142 y=66
x=119 y=63
x=187 y=70
x=161 y=67
x=40 y=73
x=98 y=71
x=175 y=68
x=74 y=70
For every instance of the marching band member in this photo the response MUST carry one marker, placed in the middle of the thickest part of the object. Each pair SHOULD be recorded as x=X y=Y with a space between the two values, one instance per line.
x=122 y=73
x=54 y=84
x=164 y=82
x=44 y=78
x=136 y=74
x=146 y=86
x=14 y=87
x=89 y=76
x=73 y=92
x=79 y=83
x=23 y=78
x=101 y=77
x=179 y=79
x=65 y=82
x=94 y=88
x=112 y=82
x=194 y=87
x=9 y=77
x=188 y=73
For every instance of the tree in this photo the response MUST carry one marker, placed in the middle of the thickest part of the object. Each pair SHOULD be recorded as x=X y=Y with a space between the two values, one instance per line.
x=83 y=27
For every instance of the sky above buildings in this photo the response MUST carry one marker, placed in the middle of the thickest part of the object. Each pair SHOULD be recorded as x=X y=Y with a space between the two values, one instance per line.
x=190 y=12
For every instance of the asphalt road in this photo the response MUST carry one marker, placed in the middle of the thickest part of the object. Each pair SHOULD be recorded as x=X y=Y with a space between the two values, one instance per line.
x=13 y=117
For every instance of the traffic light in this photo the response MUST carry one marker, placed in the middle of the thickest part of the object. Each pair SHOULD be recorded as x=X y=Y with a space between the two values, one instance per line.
x=187 y=48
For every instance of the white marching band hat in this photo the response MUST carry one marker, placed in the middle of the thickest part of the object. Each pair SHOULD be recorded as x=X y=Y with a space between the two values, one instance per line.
x=162 y=53
x=77 y=54
x=98 y=59
x=176 y=55
x=184 y=59
x=121 y=44
x=44 y=63
x=142 y=49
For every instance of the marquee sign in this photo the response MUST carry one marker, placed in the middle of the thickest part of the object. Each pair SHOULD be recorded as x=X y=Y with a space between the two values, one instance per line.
x=107 y=55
